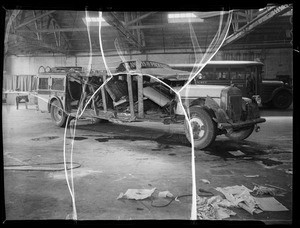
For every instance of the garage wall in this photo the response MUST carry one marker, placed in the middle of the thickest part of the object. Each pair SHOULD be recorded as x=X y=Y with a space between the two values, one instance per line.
x=15 y=65
x=277 y=61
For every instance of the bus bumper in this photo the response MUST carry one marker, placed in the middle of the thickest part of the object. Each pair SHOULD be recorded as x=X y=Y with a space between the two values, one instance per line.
x=239 y=125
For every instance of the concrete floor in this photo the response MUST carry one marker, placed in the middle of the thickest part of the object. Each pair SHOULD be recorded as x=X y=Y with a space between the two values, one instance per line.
x=117 y=157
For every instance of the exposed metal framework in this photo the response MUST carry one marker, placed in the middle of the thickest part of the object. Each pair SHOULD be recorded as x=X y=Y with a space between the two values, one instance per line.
x=63 y=32
x=34 y=19
x=138 y=19
x=113 y=20
x=253 y=20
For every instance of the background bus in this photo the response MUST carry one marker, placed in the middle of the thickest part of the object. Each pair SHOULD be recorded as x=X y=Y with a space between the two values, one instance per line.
x=246 y=75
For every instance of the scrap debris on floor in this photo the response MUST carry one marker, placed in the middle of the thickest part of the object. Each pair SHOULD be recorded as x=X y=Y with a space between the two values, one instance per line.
x=216 y=207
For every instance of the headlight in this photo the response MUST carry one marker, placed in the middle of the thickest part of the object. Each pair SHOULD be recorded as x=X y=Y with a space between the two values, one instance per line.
x=257 y=98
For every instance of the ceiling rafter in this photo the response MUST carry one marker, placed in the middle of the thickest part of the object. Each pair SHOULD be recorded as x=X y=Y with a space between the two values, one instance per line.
x=39 y=37
x=34 y=19
x=57 y=26
x=112 y=19
x=259 y=20
x=138 y=19
x=11 y=19
x=36 y=43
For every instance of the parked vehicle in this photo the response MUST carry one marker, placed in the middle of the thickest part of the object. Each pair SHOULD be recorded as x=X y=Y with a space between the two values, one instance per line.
x=132 y=95
x=247 y=76
x=276 y=94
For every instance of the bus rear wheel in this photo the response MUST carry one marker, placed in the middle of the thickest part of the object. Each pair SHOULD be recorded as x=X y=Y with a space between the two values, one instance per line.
x=58 y=115
x=282 y=100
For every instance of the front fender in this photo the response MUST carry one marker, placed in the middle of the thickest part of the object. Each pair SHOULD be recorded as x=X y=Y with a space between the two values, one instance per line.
x=51 y=100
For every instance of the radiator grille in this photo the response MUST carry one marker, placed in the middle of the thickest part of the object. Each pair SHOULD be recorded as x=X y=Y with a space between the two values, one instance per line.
x=235 y=108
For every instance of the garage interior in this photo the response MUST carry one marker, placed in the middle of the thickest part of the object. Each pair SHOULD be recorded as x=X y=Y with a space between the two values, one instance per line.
x=105 y=159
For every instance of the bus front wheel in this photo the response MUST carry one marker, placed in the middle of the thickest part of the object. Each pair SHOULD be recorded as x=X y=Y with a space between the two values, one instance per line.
x=58 y=115
x=203 y=128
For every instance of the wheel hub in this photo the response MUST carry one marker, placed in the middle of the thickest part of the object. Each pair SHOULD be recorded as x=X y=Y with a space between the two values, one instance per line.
x=58 y=114
x=198 y=128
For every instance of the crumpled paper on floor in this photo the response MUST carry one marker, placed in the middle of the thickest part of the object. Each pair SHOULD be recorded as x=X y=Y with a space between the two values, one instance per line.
x=261 y=190
x=205 y=181
x=136 y=194
x=165 y=194
x=213 y=208
x=239 y=196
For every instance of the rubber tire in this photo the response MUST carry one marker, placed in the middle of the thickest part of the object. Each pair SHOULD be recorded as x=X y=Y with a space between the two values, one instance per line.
x=282 y=100
x=63 y=120
x=240 y=135
x=210 y=128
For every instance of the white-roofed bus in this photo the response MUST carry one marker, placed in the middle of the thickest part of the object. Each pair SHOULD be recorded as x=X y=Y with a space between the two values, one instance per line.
x=245 y=75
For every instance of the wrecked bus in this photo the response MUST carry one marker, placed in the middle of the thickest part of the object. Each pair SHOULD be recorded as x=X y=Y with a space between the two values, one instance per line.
x=132 y=95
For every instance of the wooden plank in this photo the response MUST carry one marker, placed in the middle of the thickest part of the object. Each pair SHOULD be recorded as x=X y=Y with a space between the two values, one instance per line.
x=130 y=94
x=140 y=90
x=93 y=100
x=103 y=94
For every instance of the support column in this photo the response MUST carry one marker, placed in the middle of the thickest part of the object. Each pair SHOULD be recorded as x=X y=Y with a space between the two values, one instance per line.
x=130 y=94
x=103 y=94
x=140 y=90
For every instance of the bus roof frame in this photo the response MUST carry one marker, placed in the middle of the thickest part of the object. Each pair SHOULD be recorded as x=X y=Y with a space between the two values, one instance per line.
x=220 y=62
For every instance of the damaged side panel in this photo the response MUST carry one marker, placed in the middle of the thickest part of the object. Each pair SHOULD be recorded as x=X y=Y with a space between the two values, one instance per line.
x=156 y=97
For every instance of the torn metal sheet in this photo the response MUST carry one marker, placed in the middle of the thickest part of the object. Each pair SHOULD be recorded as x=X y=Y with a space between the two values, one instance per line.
x=270 y=204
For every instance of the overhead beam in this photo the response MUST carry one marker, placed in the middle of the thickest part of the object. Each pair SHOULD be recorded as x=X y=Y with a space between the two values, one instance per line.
x=259 y=20
x=55 y=30
x=85 y=29
x=58 y=27
x=35 y=43
x=112 y=19
x=34 y=19
x=36 y=27
x=12 y=17
x=139 y=18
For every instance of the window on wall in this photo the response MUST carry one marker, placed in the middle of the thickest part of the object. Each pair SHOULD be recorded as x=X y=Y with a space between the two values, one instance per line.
x=43 y=83
x=57 y=84
x=183 y=17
